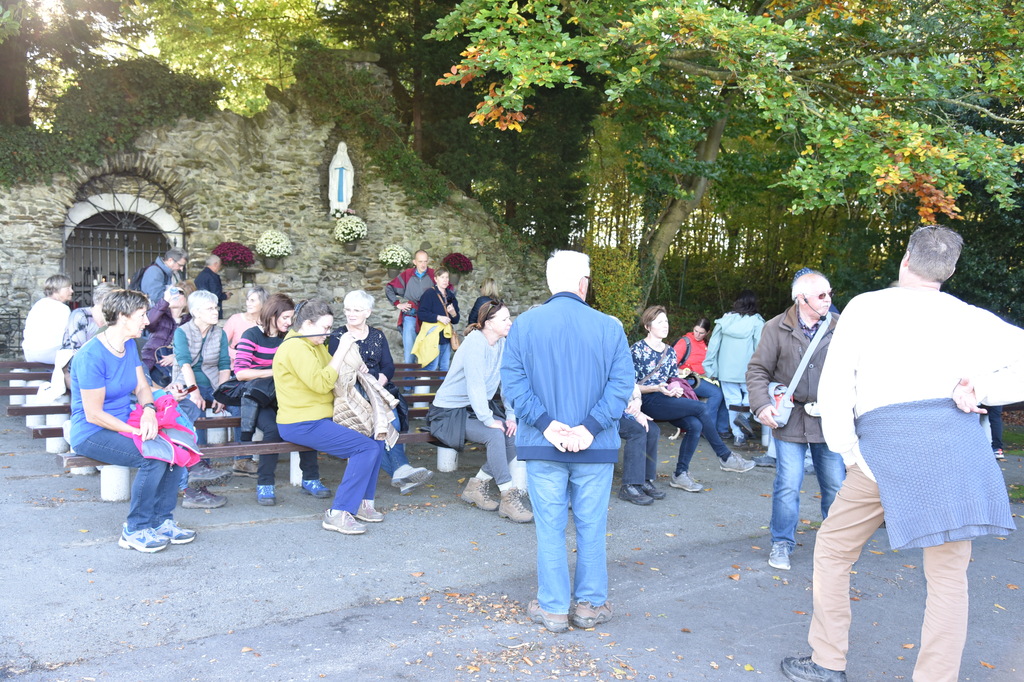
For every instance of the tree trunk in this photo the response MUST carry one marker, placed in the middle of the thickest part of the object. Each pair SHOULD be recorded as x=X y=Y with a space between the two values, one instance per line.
x=655 y=246
x=14 y=106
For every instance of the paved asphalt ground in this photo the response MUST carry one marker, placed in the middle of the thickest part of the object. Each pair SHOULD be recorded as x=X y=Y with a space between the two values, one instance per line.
x=438 y=591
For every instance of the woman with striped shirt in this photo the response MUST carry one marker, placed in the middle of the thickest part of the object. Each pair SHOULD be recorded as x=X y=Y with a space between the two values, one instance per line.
x=254 y=359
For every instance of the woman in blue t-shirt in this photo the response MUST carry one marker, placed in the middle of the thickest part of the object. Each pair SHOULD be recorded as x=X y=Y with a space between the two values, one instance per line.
x=104 y=374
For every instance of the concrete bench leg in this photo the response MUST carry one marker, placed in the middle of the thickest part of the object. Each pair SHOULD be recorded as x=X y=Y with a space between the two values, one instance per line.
x=32 y=401
x=294 y=470
x=56 y=446
x=115 y=483
x=216 y=436
x=447 y=459
x=18 y=399
x=518 y=471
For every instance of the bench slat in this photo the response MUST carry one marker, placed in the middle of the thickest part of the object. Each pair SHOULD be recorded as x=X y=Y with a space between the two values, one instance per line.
x=25 y=376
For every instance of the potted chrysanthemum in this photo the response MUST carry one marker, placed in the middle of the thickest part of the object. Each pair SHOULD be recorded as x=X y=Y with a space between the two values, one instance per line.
x=457 y=265
x=348 y=227
x=394 y=258
x=272 y=246
x=233 y=255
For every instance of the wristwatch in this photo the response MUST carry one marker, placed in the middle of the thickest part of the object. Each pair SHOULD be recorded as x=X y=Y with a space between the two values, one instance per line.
x=150 y=406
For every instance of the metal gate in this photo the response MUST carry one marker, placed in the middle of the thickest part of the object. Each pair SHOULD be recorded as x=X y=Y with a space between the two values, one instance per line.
x=110 y=246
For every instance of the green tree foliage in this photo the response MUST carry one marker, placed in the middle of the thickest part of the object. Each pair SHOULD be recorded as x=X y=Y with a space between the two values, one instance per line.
x=103 y=113
x=614 y=276
x=244 y=44
x=533 y=183
x=43 y=45
x=868 y=91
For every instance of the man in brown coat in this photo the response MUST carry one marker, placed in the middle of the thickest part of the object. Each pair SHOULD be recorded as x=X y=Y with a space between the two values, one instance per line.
x=784 y=340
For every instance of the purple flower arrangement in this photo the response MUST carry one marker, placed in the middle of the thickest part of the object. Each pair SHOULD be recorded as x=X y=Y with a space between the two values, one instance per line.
x=234 y=253
x=456 y=262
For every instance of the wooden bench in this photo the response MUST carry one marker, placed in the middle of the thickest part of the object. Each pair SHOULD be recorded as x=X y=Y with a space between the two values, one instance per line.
x=115 y=480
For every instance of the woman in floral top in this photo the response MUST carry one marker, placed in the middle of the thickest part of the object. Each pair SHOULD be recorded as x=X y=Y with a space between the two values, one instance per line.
x=655 y=364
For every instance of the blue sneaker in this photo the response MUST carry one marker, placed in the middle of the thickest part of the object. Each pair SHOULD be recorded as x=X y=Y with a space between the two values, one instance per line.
x=316 y=488
x=175 y=533
x=145 y=540
x=265 y=495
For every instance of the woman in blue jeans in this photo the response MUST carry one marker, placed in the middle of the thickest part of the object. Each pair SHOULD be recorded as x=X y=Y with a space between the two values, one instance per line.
x=376 y=354
x=104 y=374
x=654 y=363
x=691 y=351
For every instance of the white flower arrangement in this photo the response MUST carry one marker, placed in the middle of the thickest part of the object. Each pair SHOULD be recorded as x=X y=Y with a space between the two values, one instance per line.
x=274 y=244
x=394 y=256
x=349 y=228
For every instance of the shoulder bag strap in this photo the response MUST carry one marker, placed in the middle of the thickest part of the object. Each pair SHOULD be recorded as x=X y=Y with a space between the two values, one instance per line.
x=818 y=336
x=661 y=359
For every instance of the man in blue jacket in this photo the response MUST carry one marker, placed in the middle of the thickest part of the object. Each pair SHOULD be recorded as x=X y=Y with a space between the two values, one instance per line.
x=568 y=374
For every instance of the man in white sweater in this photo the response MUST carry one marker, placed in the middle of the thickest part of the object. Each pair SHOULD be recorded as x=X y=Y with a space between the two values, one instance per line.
x=896 y=355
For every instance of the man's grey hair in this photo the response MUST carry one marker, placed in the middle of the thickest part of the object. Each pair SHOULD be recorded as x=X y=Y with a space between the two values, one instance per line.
x=933 y=251
x=212 y=260
x=566 y=269
x=804 y=283
x=200 y=296
x=175 y=255
x=358 y=298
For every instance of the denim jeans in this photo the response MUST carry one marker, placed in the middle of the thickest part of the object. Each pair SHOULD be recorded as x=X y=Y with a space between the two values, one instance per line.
x=408 y=336
x=639 y=451
x=588 y=485
x=155 y=488
x=715 y=405
x=691 y=415
x=443 y=359
x=359 y=481
x=995 y=423
x=789 y=477
x=735 y=394
x=395 y=457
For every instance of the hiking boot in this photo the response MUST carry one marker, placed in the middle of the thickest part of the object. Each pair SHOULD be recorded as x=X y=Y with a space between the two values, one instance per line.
x=174 y=533
x=316 y=488
x=744 y=425
x=779 y=557
x=342 y=522
x=683 y=481
x=409 y=482
x=635 y=494
x=202 y=475
x=367 y=513
x=265 y=495
x=764 y=461
x=245 y=467
x=513 y=508
x=805 y=670
x=998 y=452
x=586 y=616
x=144 y=540
x=478 y=492
x=652 y=490
x=201 y=498
x=736 y=463
x=554 y=622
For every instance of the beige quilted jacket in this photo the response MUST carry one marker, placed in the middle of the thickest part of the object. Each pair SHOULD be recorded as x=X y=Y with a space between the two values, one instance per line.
x=369 y=417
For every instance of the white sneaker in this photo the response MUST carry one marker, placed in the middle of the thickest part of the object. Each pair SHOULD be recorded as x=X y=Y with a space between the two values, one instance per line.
x=736 y=463
x=683 y=481
x=779 y=558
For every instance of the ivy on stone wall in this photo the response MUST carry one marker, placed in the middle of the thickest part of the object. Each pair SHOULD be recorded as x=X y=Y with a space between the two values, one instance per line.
x=364 y=113
x=101 y=115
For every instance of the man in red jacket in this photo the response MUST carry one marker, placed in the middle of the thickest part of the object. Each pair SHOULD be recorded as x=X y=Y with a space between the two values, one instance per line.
x=404 y=293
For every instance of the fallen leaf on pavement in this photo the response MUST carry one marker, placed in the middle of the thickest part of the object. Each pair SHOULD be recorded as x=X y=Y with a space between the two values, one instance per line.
x=987 y=665
x=734 y=576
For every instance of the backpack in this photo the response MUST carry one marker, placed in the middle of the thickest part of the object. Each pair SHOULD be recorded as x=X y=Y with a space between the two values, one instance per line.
x=136 y=280
x=682 y=360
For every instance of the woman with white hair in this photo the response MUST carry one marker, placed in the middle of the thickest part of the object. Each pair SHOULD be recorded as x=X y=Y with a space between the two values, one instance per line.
x=374 y=350
x=47 y=320
x=201 y=364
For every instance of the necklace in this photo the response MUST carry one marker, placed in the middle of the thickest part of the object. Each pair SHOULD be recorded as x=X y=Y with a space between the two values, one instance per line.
x=110 y=345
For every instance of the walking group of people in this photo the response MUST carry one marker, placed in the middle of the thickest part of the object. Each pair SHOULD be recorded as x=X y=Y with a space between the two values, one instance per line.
x=877 y=419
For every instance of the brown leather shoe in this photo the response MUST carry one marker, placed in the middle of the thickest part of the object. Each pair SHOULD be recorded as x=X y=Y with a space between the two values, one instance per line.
x=586 y=616
x=478 y=492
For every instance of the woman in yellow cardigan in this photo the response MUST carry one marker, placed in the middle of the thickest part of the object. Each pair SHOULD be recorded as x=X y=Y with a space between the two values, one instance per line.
x=304 y=375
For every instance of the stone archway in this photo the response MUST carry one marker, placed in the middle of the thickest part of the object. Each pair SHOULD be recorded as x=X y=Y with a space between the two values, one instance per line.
x=124 y=217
